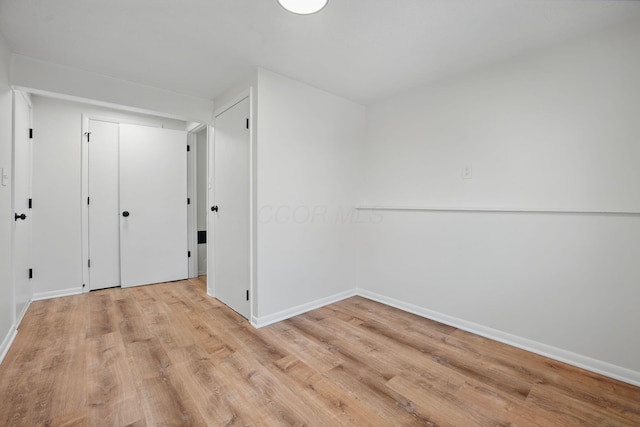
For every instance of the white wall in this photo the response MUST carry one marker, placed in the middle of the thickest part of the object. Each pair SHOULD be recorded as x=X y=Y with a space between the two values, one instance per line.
x=46 y=76
x=57 y=238
x=308 y=143
x=554 y=129
x=7 y=315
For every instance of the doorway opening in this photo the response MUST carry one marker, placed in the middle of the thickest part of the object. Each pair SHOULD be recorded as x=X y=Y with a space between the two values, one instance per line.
x=201 y=152
x=199 y=184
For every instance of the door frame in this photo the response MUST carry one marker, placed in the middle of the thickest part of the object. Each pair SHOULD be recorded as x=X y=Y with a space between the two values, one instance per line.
x=17 y=317
x=84 y=185
x=253 y=285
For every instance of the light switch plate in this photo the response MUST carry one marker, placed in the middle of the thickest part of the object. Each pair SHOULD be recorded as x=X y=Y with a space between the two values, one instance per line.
x=5 y=177
x=467 y=172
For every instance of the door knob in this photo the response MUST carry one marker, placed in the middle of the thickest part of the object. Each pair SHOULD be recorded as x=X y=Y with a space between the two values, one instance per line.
x=214 y=209
x=125 y=214
x=22 y=217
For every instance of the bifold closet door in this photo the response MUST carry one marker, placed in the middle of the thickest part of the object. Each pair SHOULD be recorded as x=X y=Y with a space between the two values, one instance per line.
x=104 y=222
x=153 y=205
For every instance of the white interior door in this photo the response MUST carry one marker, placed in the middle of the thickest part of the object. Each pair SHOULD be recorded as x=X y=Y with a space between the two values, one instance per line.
x=103 y=205
x=22 y=207
x=153 y=205
x=231 y=197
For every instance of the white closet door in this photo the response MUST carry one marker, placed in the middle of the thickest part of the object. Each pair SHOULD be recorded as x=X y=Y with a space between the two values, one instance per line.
x=153 y=205
x=231 y=196
x=21 y=196
x=104 y=213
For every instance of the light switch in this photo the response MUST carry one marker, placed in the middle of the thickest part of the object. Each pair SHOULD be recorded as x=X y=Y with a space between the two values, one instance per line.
x=467 y=172
x=5 y=177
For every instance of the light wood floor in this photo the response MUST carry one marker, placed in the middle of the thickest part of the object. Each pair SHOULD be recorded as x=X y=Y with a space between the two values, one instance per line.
x=169 y=355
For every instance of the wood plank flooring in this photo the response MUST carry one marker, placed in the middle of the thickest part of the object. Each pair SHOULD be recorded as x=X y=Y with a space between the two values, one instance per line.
x=169 y=355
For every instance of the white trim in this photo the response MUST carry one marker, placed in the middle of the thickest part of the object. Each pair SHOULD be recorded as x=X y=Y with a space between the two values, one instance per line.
x=192 y=194
x=253 y=244
x=208 y=200
x=195 y=127
x=21 y=315
x=26 y=97
x=574 y=359
x=7 y=342
x=57 y=294
x=12 y=196
x=120 y=121
x=93 y=102
x=247 y=93
x=84 y=193
x=260 y=322
x=593 y=365
x=495 y=210
x=211 y=283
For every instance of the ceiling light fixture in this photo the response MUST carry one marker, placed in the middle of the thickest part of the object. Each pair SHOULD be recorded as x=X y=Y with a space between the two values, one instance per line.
x=303 y=7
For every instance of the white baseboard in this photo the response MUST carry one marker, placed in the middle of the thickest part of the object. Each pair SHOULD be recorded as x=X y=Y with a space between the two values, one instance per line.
x=571 y=358
x=574 y=359
x=260 y=322
x=6 y=343
x=21 y=315
x=56 y=294
x=13 y=332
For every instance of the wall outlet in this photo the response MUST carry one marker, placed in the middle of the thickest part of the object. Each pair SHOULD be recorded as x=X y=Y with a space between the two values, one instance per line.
x=467 y=172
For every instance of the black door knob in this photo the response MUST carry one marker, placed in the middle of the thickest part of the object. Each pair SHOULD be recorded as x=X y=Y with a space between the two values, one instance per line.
x=125 y=214
x=214 y=209
x=22 y=217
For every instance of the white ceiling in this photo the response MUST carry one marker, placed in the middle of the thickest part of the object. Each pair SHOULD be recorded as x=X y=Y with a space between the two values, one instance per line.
x=364 y=50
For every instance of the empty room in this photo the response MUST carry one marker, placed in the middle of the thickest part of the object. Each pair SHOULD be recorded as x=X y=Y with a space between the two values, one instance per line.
x=319 y=212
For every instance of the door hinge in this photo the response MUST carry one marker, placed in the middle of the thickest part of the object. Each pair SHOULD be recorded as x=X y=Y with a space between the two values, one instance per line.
x=30 y=203
x=188 y=254
x=31 y=133
x=83 y=285
x=247 y=123
x=87 y=200
x=188 y=148
x=31 y=273
x=89 y=263
x=88 y=134
x=247 y=294
x=188 y=201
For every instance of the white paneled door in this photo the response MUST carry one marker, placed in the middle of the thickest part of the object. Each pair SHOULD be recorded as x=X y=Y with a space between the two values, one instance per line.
x=21 y=201
x=230 y=208
x=137 y=205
